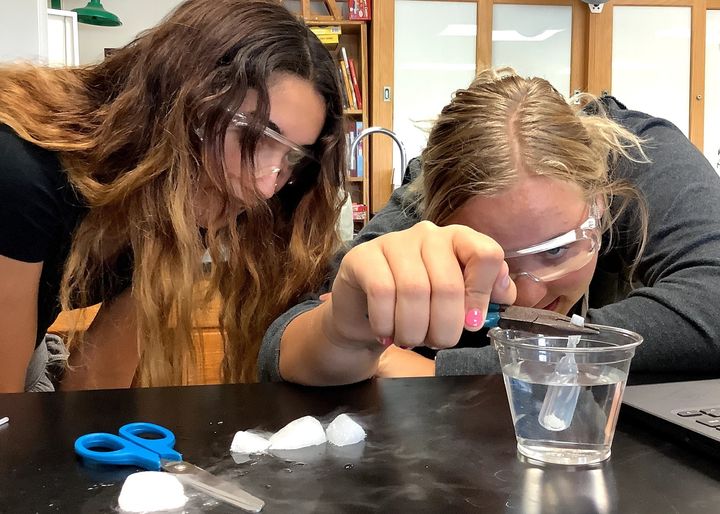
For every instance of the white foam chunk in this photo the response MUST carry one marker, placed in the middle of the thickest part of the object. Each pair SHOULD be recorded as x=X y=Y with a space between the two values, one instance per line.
x=344 y=431
x=247 y=442
x=577 y=320
x=149 y=491
x=302 y=432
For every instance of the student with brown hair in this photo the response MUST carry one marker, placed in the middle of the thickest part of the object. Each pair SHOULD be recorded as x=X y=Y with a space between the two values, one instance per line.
x=219 y=129
x=523 y=198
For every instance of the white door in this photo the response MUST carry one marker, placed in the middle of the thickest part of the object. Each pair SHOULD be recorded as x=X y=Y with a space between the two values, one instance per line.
x=62 y=40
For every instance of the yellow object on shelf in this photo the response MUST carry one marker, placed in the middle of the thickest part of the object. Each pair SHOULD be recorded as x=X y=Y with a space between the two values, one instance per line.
x=324 y=30
x=328 y=39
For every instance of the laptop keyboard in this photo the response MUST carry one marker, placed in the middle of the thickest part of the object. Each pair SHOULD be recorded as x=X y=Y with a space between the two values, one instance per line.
x=709 y=417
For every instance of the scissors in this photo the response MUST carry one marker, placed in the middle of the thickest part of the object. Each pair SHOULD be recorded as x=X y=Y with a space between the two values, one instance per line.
x=537 y=321
x=151 y=447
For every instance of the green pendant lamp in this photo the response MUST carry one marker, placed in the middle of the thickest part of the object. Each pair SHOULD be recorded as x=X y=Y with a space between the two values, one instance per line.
x=94 y=14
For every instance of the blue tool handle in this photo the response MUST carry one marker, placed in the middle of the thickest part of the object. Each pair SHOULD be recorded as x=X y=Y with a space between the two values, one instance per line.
x=117 y=451
x=493 y=316
x=162 y=445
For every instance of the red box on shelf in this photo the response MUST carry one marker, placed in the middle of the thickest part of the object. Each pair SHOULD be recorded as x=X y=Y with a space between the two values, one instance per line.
x=359 y=9
x=359 y=211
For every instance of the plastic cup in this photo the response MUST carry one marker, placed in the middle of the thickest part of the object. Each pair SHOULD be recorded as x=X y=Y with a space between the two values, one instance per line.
x=565 y=394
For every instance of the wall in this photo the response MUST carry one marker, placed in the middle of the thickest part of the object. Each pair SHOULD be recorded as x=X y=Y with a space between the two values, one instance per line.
x=23 y=29
x=136 y=16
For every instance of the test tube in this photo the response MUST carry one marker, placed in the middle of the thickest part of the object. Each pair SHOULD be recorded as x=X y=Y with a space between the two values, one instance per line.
x=558 y=407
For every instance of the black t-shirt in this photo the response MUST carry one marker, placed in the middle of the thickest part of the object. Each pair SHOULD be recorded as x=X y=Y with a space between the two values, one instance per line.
x=39 y=211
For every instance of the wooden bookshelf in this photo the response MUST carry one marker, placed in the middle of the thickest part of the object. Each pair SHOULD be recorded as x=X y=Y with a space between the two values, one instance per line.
x=354 y=39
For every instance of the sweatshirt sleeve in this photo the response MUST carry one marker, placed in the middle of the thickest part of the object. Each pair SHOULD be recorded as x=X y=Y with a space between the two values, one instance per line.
x=674 y=308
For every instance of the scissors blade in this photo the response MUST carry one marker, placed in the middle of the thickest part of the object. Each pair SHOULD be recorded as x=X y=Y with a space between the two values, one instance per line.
x=208 y=483
x=540 y=322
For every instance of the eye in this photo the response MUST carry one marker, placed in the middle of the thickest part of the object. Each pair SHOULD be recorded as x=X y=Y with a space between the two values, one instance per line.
x=293 y=157
x=555 y=253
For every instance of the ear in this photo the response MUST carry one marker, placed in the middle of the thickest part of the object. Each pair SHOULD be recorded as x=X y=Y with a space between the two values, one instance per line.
x=601 y=204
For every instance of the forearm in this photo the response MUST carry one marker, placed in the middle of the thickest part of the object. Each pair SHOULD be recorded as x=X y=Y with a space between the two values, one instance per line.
x=312 y=354
x=18 y=321
x=14 y=359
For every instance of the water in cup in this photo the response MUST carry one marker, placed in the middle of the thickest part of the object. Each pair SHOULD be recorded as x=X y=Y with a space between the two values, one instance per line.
x=565 y=392
x=579 y=429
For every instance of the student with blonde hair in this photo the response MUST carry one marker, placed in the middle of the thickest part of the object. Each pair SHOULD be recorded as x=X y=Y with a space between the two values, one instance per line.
x=522 y=198
x=219 y=129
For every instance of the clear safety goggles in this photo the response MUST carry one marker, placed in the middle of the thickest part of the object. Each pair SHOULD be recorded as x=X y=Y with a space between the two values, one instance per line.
x=559 y=256
x=275 y=154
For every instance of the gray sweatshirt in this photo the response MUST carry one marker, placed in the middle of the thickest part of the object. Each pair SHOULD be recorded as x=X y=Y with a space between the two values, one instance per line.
x=672 y=301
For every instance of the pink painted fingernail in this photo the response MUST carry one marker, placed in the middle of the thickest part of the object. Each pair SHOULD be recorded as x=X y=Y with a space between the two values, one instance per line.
x=404 y=347
x=474 y=318
x=385 y=341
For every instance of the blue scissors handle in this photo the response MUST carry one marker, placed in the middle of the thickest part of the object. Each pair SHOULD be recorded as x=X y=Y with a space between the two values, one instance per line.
x=162 y=445
x=129 y=448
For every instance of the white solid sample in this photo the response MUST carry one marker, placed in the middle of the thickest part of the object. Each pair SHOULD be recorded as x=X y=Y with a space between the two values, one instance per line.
x=149 y=491
x=302 y=432
x=247 y=442
x=577 y=320
x=343 y=431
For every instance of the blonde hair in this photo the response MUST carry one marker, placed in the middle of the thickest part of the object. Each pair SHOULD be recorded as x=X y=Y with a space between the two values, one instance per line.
x=503 y=125
x=125 y=131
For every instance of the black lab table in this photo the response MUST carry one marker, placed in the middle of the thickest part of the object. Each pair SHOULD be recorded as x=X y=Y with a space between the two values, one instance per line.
x=438 y=445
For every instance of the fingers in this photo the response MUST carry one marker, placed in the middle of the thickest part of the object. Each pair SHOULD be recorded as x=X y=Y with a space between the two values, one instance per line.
x=485 y=273
x=371 y=292
x=421 y=286
x=447 y=298
x=412 y=289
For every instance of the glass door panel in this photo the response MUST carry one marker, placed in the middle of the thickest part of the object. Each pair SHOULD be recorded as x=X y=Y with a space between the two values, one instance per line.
x=651 y=61
x=435 y=45
x=535 y=40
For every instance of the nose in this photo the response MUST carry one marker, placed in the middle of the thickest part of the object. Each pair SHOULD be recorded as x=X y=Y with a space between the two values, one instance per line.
x=267 y=184
x=529 y=292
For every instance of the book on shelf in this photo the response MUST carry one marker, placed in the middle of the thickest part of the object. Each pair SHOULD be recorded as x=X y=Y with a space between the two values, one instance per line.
x=347 y=85
x=344 y=61
x=329 y=30
x=329 y=40
x=343 y=92
x=356 y=167
x=328 y=36
x=359 y=10
x=360 y=158
x=359 y=211
x=355 y=84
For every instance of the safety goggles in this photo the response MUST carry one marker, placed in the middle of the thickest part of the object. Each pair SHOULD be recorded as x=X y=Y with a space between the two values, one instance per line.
x=559 y=256
x=275 y=154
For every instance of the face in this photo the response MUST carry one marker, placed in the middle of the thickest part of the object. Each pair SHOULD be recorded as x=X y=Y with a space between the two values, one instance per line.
x=535 y=210
x=297 y=112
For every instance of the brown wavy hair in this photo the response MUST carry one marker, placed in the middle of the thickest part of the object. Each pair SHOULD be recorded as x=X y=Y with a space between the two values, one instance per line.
x=126 y=132
x=504 y=123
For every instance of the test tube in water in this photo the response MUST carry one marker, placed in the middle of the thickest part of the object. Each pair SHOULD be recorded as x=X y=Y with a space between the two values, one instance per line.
x=558 y=407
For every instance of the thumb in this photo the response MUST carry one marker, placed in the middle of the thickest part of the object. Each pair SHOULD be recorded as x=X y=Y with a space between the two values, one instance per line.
x=477 y=300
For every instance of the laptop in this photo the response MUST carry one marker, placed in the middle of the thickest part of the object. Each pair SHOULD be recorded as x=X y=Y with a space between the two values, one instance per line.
x=689 y=411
